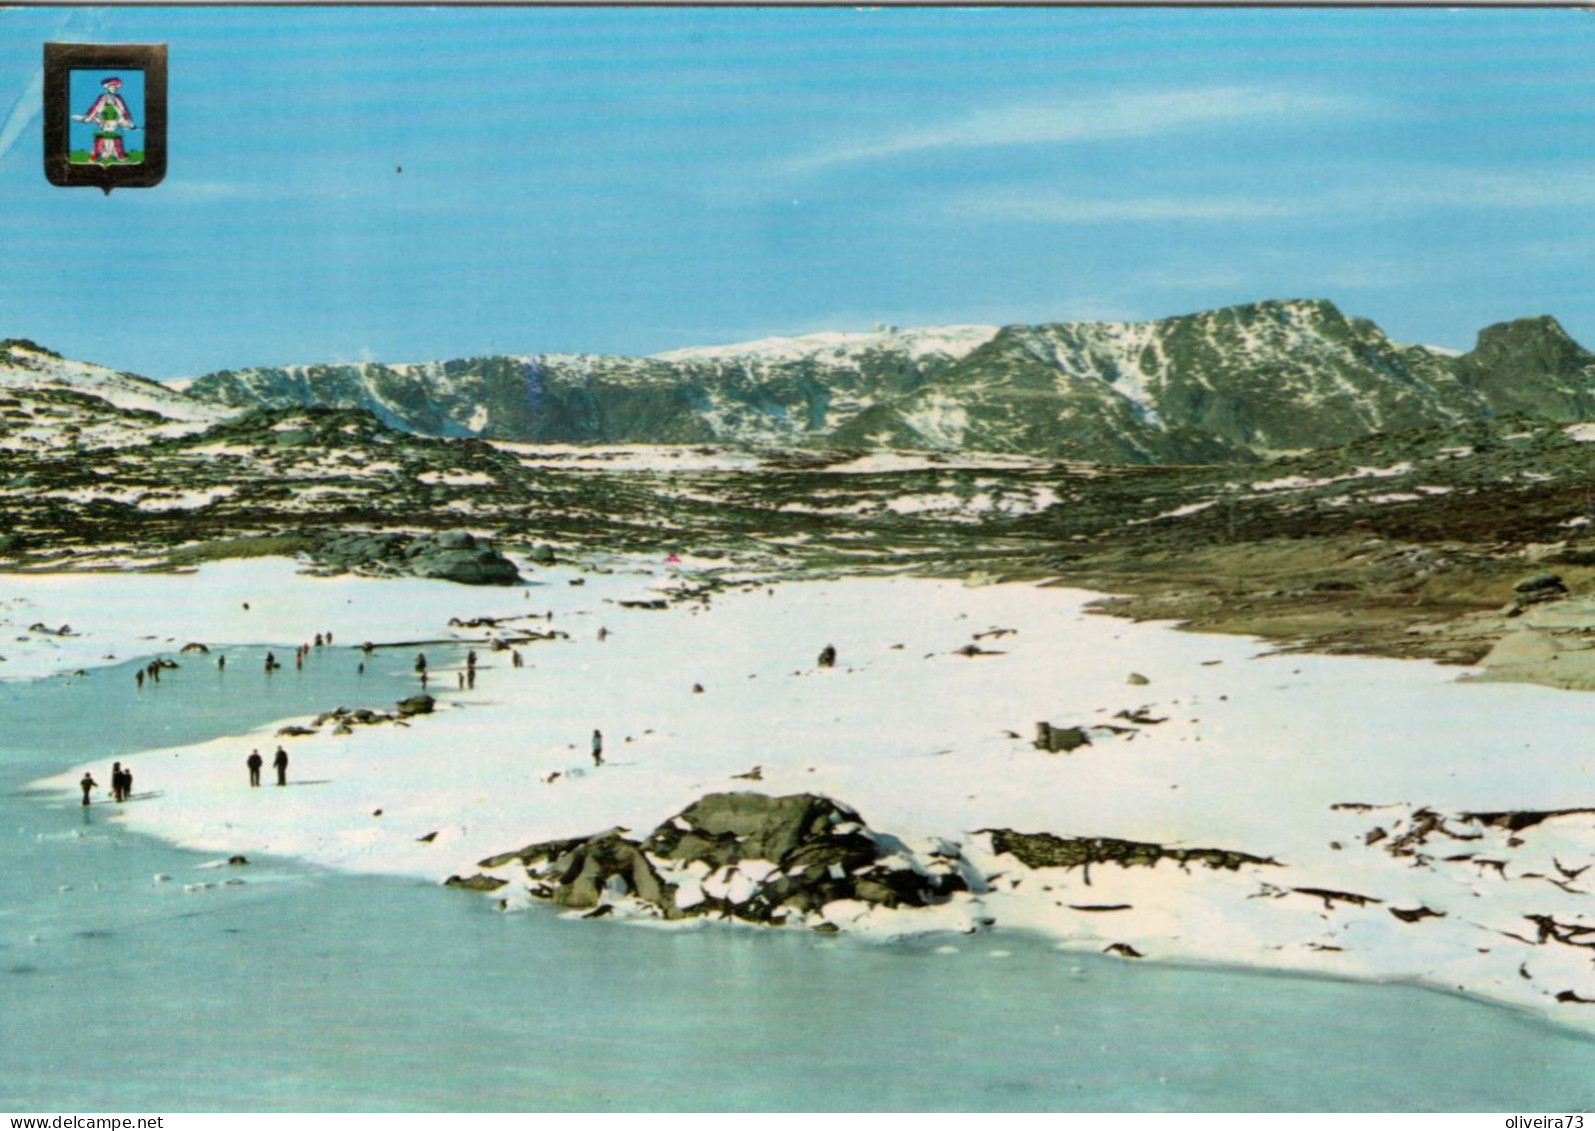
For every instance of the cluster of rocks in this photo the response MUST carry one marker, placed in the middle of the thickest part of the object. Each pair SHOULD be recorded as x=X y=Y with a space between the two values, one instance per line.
x=1065 y=739
x=1516 y=874
x=1044 y=850
x=347 y=720
x=748 y=856
x=454 y=556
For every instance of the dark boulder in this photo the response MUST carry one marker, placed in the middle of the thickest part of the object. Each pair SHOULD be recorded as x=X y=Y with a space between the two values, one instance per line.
x=1538 y=588
x=459 y=557
x=725 y=828
x=603 y=863
x=477 y=882
x=453 y=556
x=415 y=705
x=1053 y=739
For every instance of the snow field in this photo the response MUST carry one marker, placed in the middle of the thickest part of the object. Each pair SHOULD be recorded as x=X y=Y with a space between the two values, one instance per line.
x=1253 y=754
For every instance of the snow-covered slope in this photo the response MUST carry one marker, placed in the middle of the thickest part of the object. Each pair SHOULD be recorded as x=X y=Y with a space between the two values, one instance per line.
x=778 y=390
x=49 y=401
x=842 y=348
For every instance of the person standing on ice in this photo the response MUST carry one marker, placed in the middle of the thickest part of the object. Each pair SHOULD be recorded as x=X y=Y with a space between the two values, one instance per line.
x=116 y=781
x=598 y=748
x=87 y=784
x=109 y=116
x=280 y=764
x=254 y=762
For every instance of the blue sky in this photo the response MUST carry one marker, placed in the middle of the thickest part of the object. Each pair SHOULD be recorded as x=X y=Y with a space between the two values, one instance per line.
x=635 y=180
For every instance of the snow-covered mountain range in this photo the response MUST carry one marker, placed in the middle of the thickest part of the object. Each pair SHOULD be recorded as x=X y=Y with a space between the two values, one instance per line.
x=1235 y=383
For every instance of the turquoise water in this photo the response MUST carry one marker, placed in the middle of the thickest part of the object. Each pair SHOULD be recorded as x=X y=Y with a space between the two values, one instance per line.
x=301 y=989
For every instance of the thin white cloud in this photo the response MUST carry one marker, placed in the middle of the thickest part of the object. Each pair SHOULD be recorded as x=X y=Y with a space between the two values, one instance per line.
x=29 y=105
x=1380 y=193
x=23 y=112
x=1572 y=187
x=1091 y=119
x=1053 y=209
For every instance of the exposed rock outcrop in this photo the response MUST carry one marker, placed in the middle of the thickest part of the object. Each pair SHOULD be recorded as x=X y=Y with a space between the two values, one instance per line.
x=415 y=705
x=1052 y=739
x=1043 y=850
x=746 y=856
x=1537 y=589
x=453 y=556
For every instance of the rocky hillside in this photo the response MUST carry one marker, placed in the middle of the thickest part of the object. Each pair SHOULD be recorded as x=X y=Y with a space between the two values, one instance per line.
x=1233 y=384
x=775 y=391
x=47 y=401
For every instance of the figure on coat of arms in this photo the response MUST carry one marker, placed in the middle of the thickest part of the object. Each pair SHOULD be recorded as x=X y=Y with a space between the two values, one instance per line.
x=109 y=115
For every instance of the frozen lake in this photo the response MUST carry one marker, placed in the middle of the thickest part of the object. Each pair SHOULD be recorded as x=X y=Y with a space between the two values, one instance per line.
x=306 y=989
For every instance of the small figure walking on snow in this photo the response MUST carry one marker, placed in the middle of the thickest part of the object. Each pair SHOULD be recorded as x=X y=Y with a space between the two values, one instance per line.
x=254 y=762
x=598 y=748
x=87 y=784
x=280 y=763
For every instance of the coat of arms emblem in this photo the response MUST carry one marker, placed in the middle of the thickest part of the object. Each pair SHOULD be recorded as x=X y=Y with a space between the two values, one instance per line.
x=105 y=114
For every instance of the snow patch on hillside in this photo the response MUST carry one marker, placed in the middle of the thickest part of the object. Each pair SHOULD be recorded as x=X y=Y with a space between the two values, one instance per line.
x=933 y=341
x=28 y=369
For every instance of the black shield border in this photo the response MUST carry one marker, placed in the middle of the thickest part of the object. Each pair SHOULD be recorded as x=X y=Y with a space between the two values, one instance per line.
x=59 y=60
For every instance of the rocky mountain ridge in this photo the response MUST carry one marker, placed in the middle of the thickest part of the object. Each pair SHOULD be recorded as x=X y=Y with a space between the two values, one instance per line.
x=1232 y=385
x=1237 y=383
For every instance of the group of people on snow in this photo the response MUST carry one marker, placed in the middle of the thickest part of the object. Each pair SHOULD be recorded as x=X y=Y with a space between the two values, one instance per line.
x=121 y=783
x=279 y=763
